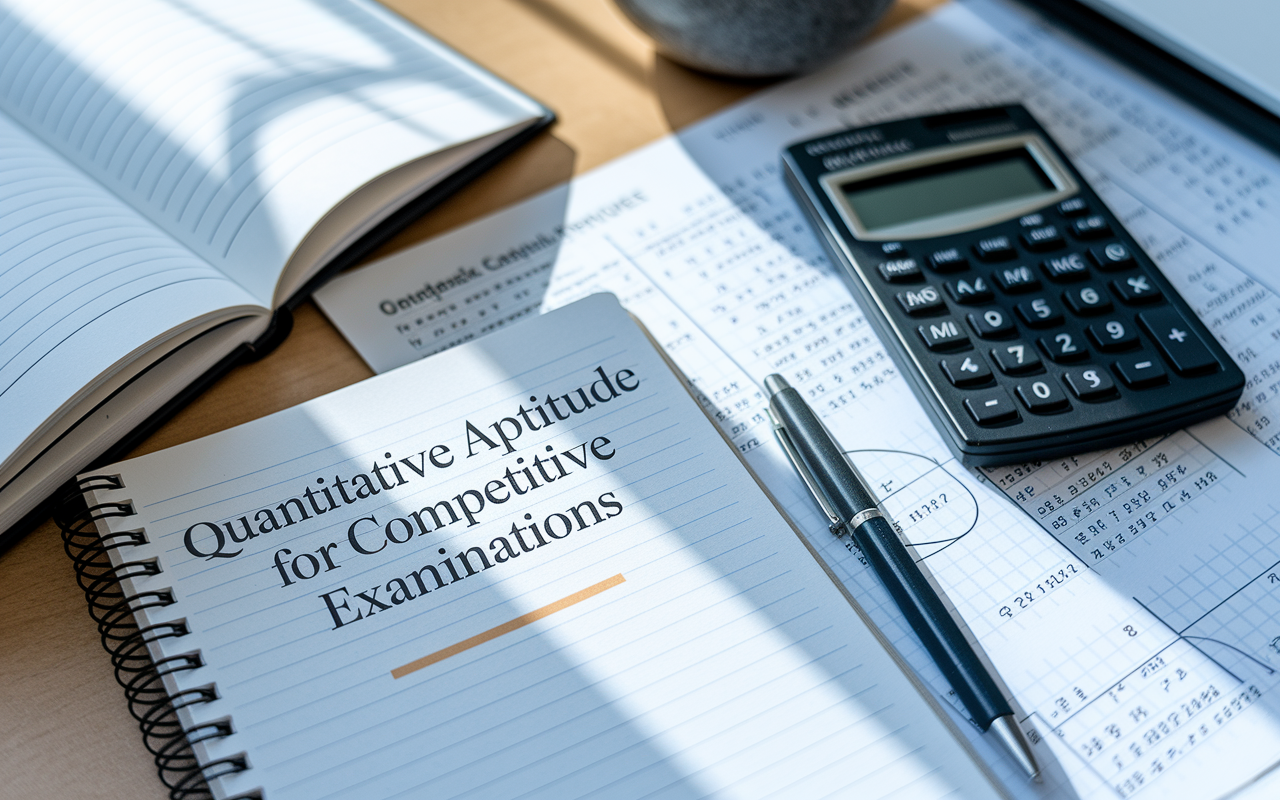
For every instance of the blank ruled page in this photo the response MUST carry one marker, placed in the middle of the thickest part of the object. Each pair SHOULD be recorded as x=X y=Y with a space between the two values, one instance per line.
x=237 y=124
x=85 y=281
x=490 y=584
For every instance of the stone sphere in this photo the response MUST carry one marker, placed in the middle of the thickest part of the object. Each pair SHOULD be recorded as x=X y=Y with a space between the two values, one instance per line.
x=754 y=38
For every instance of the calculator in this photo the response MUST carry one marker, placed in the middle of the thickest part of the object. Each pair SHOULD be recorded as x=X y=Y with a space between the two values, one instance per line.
x=1025 y=317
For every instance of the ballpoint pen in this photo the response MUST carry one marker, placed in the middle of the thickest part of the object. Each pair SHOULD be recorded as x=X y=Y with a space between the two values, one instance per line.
x=850 y=506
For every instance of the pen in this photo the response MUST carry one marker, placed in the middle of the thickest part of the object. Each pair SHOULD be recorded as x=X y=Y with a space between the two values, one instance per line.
x=851 y=506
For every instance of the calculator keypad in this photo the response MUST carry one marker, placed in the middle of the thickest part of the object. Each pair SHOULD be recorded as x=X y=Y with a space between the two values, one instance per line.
x=1055 y=317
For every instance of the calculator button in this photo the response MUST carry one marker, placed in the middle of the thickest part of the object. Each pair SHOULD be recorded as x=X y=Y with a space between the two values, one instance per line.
x=1178 y=342
x=995 y=248
x=944 y=334
x=1090 y=383
x=1043 y=238
x=1136 y=289
x=1087 y=300
x=970 y=292
x=991 y=407
x=1141 y=371
x=1016 y=279
x=1070 y=267
x=1017 y=358
x=1039 y=313
x=1075 y=207
x=1042 y=396
x=1091 y=227
x=993 y=323
x=969 y=371
x=901 y=270
x=1113 y=335
x=922 y=301
x=1063 y=348
x=893 y=249
x=1112 y=257
x=949 y=260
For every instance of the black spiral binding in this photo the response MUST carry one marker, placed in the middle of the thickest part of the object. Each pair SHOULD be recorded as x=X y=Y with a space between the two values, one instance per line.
x=141 y=676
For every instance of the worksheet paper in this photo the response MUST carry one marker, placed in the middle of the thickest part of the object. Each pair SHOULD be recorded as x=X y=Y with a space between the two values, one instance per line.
x=1127 y=598
x=616 y=609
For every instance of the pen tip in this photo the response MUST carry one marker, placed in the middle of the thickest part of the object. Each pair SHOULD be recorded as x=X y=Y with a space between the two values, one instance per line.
x=775 y=383
x=1006 y=730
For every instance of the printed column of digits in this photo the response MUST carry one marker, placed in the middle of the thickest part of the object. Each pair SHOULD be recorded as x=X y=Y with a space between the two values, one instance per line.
x=1174 y=695
x=757 y=285
x=1142 y=699
x=1245 y=317
x=716 y=380
x=1098 y=503
x=1134 y=730
x=721 y=272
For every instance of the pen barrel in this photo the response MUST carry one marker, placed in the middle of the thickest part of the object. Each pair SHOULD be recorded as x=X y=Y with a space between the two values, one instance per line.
x=823 y=458
x=892 y=563
x=932 y=622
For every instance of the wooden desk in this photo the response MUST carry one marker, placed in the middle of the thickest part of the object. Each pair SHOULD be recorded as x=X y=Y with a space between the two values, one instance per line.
x=64 y=728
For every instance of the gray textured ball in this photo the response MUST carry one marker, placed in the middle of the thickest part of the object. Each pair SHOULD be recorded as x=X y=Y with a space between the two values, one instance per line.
x=754 y=38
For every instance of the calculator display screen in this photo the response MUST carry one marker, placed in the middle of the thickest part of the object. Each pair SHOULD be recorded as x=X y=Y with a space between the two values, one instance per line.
x=942 y=189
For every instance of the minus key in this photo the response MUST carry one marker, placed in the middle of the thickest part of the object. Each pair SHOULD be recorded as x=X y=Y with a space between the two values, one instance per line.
x=991 y=407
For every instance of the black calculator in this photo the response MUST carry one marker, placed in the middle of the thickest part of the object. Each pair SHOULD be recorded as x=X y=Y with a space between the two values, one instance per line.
x=1026 y=319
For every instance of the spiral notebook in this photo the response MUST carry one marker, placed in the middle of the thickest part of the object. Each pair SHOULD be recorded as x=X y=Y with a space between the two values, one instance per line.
x=529 y=566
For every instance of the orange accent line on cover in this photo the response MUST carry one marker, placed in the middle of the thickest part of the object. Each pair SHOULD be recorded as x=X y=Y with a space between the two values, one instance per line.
x=508 y=627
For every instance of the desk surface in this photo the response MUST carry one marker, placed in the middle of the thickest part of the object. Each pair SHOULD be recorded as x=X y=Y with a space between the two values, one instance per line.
x=64 y=727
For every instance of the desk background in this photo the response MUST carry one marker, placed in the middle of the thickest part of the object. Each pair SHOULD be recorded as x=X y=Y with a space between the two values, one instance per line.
x=65 y=731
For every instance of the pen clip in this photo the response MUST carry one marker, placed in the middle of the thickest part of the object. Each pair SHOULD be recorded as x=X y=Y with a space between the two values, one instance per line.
x=834 y=522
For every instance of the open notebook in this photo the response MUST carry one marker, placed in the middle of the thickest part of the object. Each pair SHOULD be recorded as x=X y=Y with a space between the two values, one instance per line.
x=529 y=566
x=174 y=176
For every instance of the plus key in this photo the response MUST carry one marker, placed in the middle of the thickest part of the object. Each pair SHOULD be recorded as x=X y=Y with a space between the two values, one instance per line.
x=1177 y=342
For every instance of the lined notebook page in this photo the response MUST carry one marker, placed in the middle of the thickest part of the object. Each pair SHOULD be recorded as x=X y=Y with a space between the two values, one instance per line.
x=662 y=633
x=236 y=124
x=85 y=282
